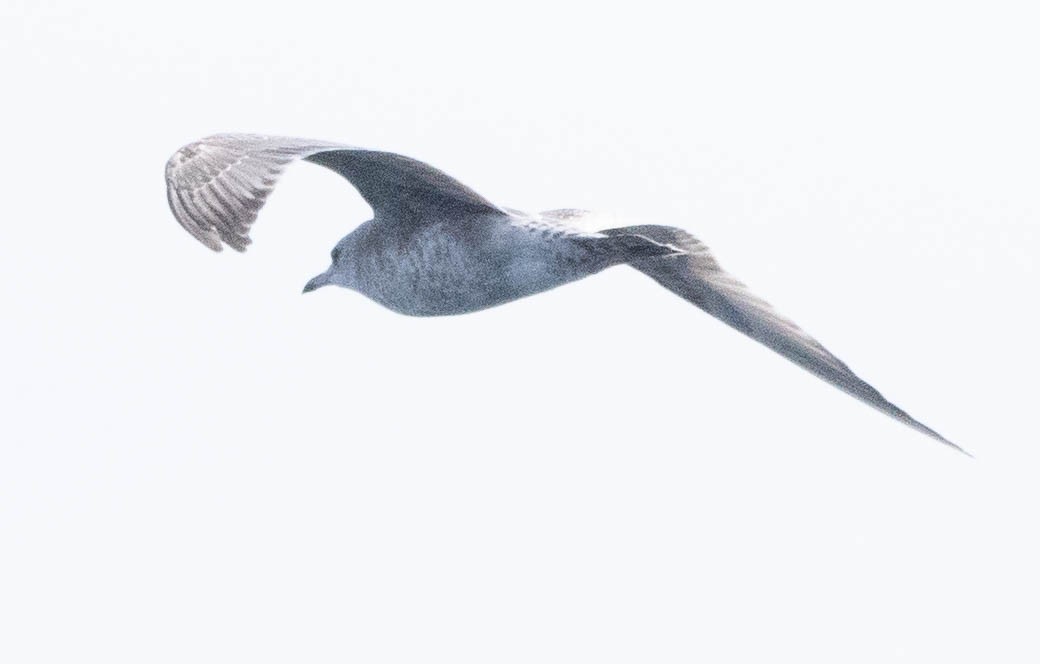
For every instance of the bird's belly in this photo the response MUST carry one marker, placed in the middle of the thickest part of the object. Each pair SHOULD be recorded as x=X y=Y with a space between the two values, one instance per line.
x=443 y=276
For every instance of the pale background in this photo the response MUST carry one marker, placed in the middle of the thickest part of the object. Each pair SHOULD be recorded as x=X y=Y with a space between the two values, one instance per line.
x=201 y=465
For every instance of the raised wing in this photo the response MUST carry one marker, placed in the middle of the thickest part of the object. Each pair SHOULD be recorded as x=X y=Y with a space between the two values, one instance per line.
x=217 y=185
x=698 y=278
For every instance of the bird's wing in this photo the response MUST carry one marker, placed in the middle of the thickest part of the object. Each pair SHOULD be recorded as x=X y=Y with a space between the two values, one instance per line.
x=217 y=185
x=698 y=278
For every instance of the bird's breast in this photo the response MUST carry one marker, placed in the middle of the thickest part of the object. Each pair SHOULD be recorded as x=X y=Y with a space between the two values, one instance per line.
x=444 y=270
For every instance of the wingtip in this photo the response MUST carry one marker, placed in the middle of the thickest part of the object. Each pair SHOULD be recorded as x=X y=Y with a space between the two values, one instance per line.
x=959 y=449
x=949 y=443
x=891 y=409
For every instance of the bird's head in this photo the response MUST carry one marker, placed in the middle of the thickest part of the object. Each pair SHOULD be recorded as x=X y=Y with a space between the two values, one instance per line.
x=339 y=273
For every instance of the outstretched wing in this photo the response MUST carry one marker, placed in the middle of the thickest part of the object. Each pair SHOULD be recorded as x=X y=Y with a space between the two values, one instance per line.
x=217 y=185
x=697 y=277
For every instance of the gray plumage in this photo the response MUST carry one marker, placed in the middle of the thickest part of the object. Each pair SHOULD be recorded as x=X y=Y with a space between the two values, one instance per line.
x=436 y=247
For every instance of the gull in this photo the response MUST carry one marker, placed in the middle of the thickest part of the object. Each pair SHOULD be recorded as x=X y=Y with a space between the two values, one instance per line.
x=435 y=247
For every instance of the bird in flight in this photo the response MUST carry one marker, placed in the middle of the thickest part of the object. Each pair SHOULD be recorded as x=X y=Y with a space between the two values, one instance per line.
x=435 y=247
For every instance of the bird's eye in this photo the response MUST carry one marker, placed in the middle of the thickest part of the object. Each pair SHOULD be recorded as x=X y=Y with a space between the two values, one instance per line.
x=335 y=254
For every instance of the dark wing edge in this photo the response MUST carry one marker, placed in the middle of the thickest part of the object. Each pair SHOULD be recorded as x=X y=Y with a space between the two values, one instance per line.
x=217 y=185
x=697 y=277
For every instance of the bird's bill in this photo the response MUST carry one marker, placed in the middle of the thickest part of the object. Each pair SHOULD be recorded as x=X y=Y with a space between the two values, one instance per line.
x=317 y=282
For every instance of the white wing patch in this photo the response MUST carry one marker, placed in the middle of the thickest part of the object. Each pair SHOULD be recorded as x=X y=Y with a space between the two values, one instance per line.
x=565 y=223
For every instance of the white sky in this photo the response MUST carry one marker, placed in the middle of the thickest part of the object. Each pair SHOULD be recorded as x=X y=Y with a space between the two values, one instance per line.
x=201 y=465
